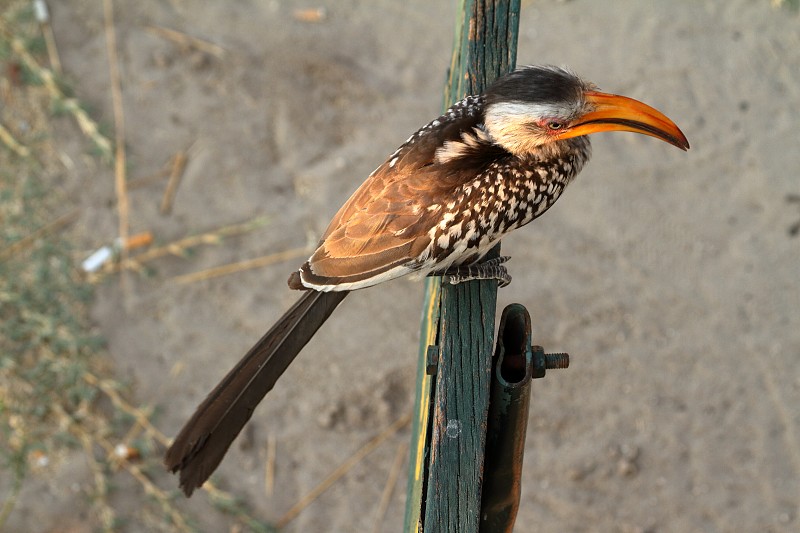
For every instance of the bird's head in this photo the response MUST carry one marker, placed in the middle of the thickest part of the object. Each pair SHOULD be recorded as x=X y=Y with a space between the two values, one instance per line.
x=530 y=110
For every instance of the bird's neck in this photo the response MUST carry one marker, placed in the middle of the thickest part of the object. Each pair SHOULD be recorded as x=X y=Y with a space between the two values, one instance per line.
x=566 y=156
x=579 y=147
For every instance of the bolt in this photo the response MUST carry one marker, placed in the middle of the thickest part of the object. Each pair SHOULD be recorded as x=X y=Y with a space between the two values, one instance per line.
x=432 y=360
x=544 y=361
x=556 y=360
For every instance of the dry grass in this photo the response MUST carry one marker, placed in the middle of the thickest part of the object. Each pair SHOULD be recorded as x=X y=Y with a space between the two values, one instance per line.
x=57 y=395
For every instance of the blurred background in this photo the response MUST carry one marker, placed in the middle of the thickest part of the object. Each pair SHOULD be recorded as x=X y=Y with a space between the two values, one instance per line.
x=241 y=127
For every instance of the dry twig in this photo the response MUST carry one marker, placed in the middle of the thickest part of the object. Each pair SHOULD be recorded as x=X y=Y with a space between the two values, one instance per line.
x=107 y=516
x=109 y=389
x=12 y=143
x=26 y=241
x=269 y=469
x=187 y=41
x=175 y=175
x=342 y=469
x=240 y=266
x=120 y=177
x=43 y=18
x=391 y=481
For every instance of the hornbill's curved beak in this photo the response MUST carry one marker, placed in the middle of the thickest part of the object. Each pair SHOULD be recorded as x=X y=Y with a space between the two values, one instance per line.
x=612 y=112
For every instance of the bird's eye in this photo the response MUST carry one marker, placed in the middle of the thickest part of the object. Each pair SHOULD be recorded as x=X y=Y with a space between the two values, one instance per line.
x=555 y=125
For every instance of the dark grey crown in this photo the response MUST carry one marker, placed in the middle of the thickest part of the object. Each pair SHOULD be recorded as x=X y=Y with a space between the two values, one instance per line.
x=537 y=84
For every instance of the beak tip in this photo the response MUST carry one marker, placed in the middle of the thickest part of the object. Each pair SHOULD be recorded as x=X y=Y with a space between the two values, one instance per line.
x=675 y=137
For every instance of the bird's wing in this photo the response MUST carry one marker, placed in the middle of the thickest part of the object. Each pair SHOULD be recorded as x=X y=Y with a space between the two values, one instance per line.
x=386 y=223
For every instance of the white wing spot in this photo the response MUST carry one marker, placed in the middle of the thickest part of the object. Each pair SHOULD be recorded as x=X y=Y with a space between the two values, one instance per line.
x=446 y=219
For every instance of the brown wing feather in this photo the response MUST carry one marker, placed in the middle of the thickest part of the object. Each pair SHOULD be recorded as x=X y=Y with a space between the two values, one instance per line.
x=386 y=222
x=372 y=237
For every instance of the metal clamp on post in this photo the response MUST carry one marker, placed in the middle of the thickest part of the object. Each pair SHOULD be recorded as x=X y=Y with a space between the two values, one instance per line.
x=515 y=363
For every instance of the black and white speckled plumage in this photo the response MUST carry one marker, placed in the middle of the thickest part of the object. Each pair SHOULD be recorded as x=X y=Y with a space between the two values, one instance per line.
x=507 y=194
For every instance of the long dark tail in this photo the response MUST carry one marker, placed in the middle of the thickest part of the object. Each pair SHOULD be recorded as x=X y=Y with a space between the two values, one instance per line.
x=200 y=446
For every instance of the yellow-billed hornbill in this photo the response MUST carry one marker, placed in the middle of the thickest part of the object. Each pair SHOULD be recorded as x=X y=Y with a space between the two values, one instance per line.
x=490 y=164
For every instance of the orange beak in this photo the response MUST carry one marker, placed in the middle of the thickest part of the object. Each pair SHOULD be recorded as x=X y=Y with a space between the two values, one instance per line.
x=611 y=112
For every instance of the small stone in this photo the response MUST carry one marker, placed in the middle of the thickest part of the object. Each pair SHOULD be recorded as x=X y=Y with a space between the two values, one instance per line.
x=626 y=468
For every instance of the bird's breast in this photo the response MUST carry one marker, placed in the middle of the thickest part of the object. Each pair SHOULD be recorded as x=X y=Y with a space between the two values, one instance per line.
x=479 y=212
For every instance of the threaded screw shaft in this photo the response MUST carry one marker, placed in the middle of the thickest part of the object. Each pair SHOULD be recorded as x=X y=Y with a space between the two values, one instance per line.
x=556 y=360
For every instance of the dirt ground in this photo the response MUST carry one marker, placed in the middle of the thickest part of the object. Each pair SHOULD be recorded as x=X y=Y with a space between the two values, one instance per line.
x=671 y=277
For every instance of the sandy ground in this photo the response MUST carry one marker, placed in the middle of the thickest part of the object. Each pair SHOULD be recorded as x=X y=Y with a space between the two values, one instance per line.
x=671 y=277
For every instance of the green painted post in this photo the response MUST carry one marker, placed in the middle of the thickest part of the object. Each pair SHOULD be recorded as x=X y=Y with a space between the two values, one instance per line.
x=420 y=426
x=449 y=431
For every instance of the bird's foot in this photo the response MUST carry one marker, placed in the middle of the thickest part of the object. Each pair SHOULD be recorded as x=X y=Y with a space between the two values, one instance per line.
x=488 y=269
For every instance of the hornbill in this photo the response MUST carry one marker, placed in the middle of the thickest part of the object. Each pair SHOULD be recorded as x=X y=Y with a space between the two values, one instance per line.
x=490 y=164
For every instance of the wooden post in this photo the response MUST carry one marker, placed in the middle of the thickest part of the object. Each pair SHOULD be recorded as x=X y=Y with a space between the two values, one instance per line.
x=454 y=371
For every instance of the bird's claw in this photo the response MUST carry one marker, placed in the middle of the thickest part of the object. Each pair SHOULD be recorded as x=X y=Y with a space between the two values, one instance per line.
x=489 y=269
